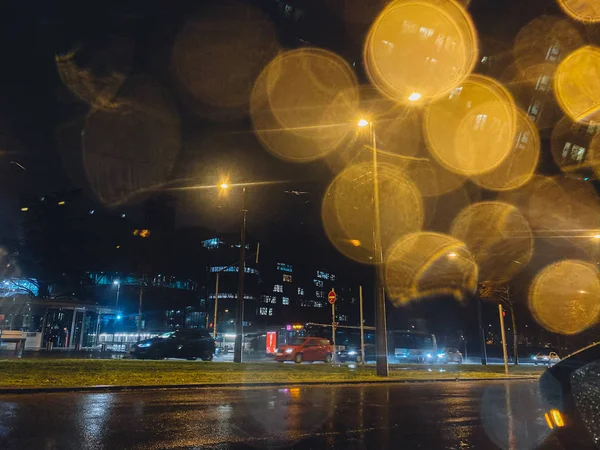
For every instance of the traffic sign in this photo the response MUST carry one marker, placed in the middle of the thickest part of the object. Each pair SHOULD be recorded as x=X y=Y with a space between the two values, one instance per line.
x=331 y=297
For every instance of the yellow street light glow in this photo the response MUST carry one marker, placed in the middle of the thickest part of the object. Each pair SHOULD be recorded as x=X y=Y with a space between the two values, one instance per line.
x=224 y=185
x=597 y=236
x=24 y=209
x=557 y=418
x=414 y=97
x=451 y=255
x=62 y=202
x=355 y=242
x=362 y=123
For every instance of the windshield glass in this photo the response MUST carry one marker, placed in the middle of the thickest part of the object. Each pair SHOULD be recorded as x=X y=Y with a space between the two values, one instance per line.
x=166 y=335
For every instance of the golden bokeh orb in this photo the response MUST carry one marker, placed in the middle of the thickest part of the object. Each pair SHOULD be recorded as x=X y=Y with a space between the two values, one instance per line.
x=303 y=105
x=576 y=87
x=565 y=297
x=518 y=168
x=542 y=43
x=587 y=11
x=498 y=236
x=418 y=50
x=427 y=264
x=472 y=130
x=348 y=209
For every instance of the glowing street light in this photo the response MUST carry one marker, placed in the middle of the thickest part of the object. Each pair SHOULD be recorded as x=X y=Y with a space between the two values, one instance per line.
x=597 y=236
x=414 y=97
x=24 y=209
x=224 y=186
x=362 y=123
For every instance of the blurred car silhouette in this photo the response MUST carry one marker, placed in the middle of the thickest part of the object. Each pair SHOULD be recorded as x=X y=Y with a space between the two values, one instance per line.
x=189 y=344
x=548 y=358
x=352 y=353
x=307 y=349
x=450 y=355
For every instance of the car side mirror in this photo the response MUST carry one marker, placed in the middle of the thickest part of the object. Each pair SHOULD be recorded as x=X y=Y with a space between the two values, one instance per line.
x=571 y=392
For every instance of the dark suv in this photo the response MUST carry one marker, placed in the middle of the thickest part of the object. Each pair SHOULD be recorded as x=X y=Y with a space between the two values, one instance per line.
x=190 y=344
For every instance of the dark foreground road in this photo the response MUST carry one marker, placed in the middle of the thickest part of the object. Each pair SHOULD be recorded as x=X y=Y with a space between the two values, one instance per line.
x=476 y=415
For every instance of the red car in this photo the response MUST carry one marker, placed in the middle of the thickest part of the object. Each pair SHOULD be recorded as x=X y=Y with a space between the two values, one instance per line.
x=307 y=349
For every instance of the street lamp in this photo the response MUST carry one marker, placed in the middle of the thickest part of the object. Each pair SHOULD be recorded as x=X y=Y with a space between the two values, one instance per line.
x=118 y=284
x=239 y=313
x=381 y=346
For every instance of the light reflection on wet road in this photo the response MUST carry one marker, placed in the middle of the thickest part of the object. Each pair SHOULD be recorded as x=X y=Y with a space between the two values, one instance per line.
x=450 y=416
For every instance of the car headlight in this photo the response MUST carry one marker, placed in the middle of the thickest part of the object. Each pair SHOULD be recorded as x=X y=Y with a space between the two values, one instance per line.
x=289 y=350
x=441 y=355
x=428 y=355
x=351 y=353
x=144 y=344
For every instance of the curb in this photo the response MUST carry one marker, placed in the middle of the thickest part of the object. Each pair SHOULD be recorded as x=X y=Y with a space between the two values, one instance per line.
x=163 y=387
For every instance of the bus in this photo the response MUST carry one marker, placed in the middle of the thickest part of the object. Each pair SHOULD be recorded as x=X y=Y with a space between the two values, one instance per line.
x=412 y=346
x=403 y=345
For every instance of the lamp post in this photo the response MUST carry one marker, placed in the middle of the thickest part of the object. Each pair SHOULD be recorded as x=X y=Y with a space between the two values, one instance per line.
x=239 y=313
x=118 y=284
x=380 y=316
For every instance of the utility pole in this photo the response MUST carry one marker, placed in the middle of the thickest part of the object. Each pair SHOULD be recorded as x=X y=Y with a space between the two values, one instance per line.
x=503 y=334
x=380 y=315
x=239 y=313
x=362 y=326
x=216 y=306
x=140 y=300
x=481 y=332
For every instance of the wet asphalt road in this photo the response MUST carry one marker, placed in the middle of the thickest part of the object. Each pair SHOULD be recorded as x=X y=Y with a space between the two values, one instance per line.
x=462 y=416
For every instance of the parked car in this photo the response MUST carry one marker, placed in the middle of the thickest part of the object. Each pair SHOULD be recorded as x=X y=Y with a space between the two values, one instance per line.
x=307 y=349
x=548 y=358
x=190 y=344
x=450 y=355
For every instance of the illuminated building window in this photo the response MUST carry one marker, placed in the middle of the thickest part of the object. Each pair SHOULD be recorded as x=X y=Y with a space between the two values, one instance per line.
x=480 y=121
x=318 y=304
x=284 y=267
x=278 y=288
x=343 y=318
x=300 y=291
x=320 y=294
x=534 y=110
x=285 y=301
x=263 y=311
x=270 y=311
x=287 y=278
x=318 y=283
x=269 y=299
x=553 y=52
x=322 y=275
x=522 y=140
x=543 y=83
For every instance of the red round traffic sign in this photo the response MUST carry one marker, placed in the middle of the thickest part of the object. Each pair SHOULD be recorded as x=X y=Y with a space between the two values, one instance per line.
x=331 y=297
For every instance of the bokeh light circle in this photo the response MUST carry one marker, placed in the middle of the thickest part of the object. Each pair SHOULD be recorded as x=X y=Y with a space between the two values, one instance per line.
x=587 y=11
x=429 y=264
x=518 y=168
x=542 y=43
x=574 y=148
x=565 y=297
x=132 y=149
x=303 y=104
x=418 y=50
x=498 y=236
x=217 y=57
x=479 y=114
x=576 y=87
x=348 y=213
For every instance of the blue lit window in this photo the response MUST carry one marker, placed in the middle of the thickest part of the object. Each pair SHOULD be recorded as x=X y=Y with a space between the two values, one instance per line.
x=284 y=267
x=278 y=288
x=285 y=301
x=318 y=283
x=320 y=294
x=300 y=291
